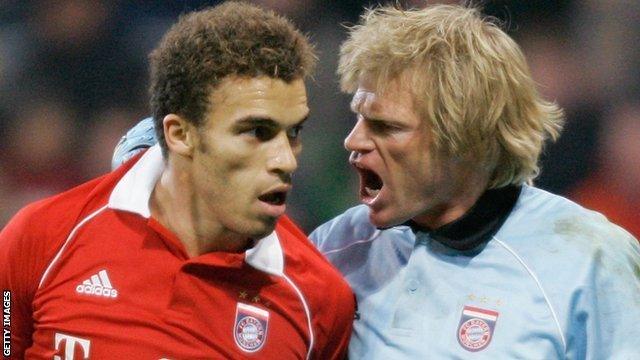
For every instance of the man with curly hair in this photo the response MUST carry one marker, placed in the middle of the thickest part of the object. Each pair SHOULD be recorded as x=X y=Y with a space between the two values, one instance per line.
x=185 y=252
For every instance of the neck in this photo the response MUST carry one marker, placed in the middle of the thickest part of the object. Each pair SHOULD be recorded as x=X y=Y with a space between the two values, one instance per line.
x=456 y=203
x=175 y=204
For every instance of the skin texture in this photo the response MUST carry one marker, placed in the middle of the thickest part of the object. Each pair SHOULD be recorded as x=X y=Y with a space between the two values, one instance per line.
x=215 y=174
x=390 y=139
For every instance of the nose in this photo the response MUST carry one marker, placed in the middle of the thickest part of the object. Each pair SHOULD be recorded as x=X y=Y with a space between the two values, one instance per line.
x=358 y=139
x=283 y=156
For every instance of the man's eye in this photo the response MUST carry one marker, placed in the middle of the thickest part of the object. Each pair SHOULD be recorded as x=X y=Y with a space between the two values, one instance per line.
x=262 y=133
x=294 y=132
x=381 y=127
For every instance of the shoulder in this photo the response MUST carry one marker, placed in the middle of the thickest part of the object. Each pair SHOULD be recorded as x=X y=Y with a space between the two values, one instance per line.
x=541 y=212
x=58 y=212
x=589 y=267
x=51 y=215
x=305 y=263
x=327 y=298
x=31 y=240
x=34 y=235
x=550 y=231
x=300 y=254
x=343 y=230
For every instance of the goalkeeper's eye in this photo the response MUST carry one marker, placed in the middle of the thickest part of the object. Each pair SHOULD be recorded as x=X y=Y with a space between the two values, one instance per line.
x=294 y=132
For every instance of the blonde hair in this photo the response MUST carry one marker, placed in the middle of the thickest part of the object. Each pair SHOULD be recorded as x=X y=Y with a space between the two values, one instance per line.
x=469 y=79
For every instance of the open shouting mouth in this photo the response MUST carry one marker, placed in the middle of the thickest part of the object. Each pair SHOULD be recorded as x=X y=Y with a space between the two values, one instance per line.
x=370 y=184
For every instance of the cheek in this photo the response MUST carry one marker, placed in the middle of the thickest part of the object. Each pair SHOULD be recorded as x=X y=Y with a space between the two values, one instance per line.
x=239 y=174
x=410 y=160
x=230 y=156
x=418 y=175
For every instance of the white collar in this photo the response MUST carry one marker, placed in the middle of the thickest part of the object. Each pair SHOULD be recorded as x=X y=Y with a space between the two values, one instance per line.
x=133 y=191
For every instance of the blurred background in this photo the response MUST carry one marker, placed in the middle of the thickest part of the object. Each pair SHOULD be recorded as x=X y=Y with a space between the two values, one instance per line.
x=73 y=78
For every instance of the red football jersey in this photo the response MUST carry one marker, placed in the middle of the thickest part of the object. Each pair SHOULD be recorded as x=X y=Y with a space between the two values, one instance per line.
x=91 y=275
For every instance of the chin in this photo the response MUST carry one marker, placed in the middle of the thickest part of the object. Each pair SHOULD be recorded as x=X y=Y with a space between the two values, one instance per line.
x=262 y=228
x=252 y=227
x=380 y=219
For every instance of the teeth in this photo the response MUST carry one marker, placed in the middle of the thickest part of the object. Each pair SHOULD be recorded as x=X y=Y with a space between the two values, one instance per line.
x=371 y=192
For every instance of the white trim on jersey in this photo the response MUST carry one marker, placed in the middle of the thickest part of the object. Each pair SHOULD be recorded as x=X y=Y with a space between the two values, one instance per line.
x=544 y=294
x=308 y=313
x=326 y=253
x=66 y=243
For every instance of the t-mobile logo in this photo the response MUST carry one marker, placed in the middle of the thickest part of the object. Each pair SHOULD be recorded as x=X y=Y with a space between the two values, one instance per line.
x=70 y=346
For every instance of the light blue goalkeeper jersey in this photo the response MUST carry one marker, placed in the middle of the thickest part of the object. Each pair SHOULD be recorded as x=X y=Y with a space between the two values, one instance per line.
x=556 y=281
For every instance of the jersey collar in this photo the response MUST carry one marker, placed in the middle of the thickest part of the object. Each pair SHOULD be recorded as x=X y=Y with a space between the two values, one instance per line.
x=133 y=191
x=479 y=224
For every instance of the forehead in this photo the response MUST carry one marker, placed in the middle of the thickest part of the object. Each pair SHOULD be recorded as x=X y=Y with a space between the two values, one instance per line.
x=394 y=99
x=267 y=97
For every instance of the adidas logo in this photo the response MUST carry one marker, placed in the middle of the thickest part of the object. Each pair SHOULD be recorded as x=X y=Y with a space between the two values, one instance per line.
x=98 y=285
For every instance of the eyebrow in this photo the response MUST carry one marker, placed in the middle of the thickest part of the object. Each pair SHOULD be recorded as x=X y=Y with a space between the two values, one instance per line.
x=357 y=107
x=387 y=121
x=377 y=118
x=265 y=121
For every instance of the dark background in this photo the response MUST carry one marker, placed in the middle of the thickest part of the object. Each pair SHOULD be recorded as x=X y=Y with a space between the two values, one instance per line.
x=73 y=78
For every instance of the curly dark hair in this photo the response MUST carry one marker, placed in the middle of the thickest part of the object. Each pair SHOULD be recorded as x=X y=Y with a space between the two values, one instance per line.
x=206 y=46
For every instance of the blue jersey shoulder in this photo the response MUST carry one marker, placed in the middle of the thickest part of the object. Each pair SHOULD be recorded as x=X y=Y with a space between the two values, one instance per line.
x=551 y=229
x=341 y=231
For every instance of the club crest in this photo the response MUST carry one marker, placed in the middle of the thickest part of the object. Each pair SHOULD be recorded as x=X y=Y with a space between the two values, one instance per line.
x=475 y=329
x=250 y=330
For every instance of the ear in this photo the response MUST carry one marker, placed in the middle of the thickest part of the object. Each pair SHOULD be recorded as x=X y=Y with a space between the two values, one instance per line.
x=179 y=134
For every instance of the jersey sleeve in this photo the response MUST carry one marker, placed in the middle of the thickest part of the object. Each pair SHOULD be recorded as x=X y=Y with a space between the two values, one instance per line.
x=607 y=310
x=344 y=230
x=339 y=331
x=19 y=267
x=316 y=237
x=332 y=233
x=27 y=245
